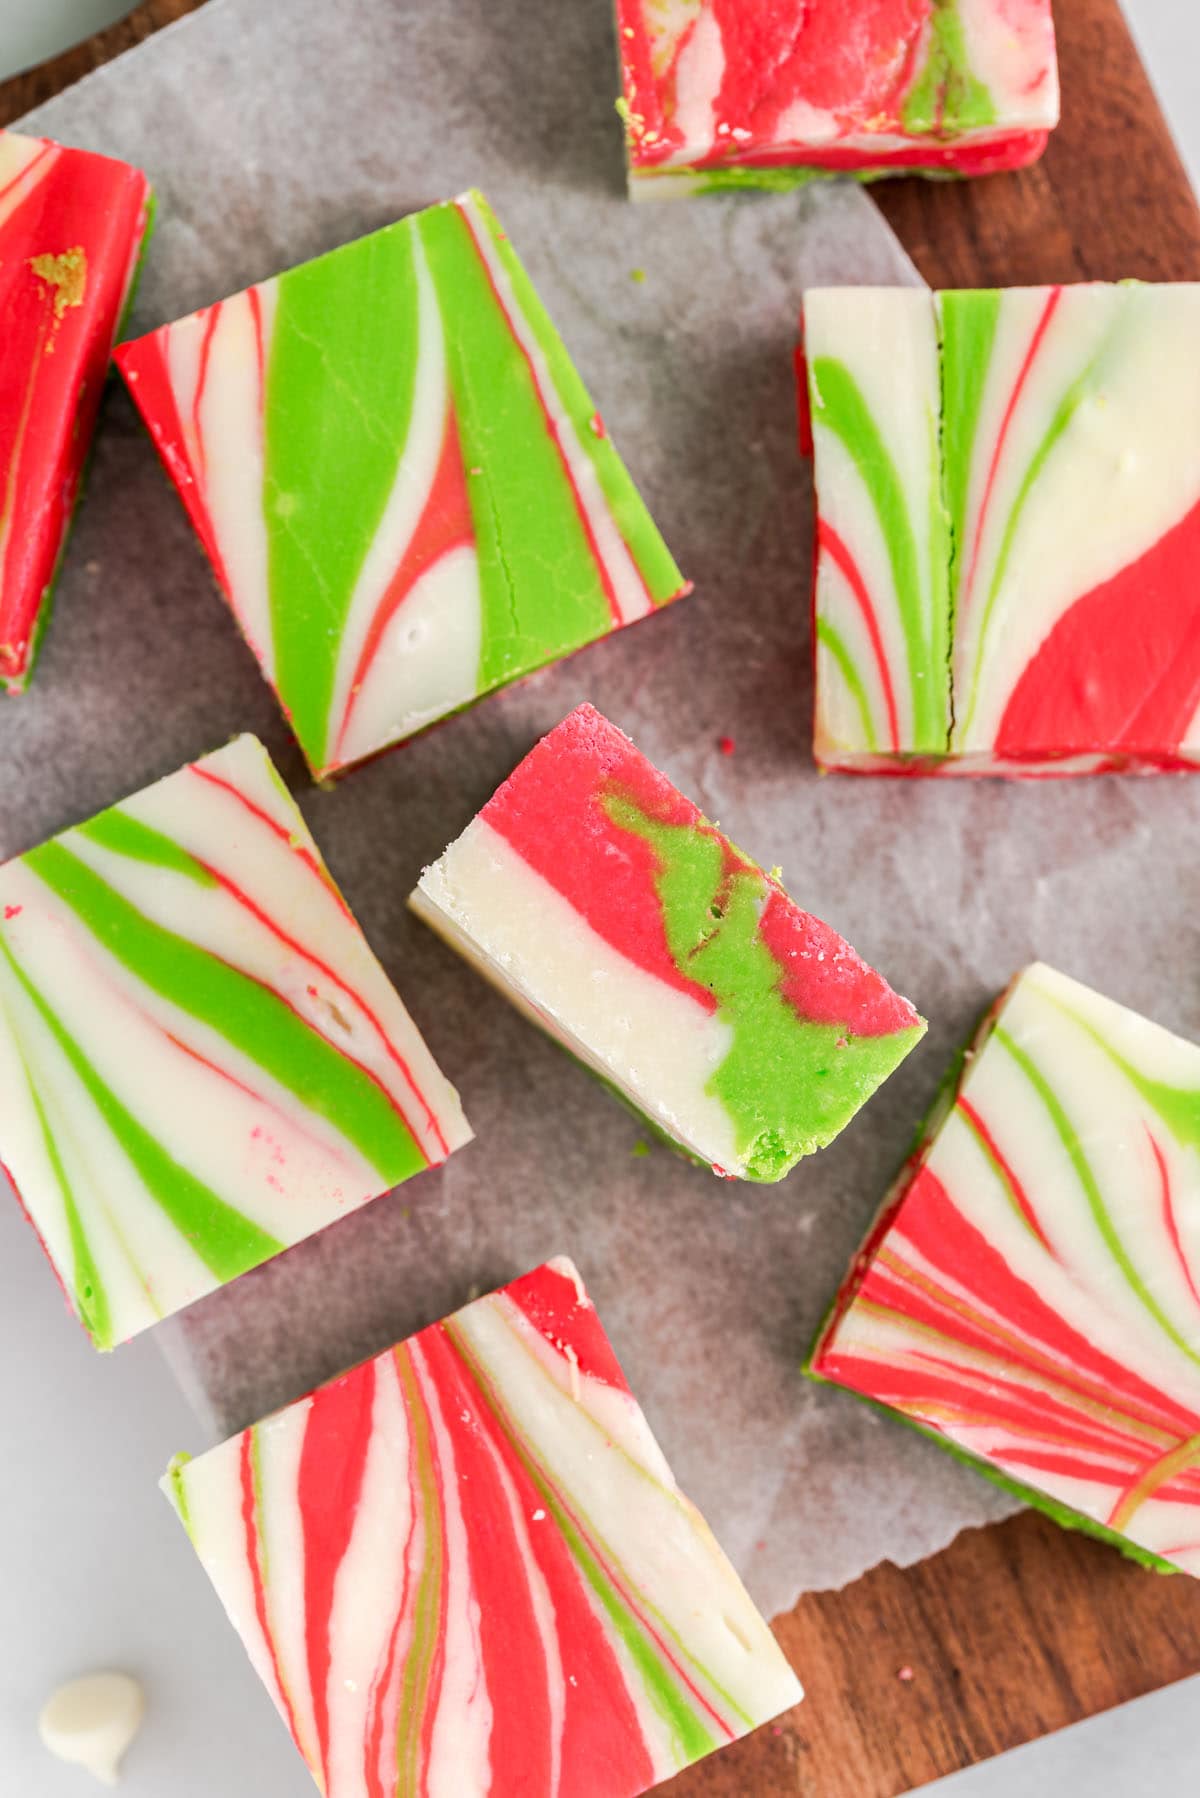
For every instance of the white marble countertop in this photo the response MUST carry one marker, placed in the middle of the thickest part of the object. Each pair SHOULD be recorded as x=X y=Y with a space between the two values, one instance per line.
x=79 y=1495
x=1168 y=34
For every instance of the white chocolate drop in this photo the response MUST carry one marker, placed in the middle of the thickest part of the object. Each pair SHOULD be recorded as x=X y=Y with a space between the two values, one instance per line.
x=91 y=1722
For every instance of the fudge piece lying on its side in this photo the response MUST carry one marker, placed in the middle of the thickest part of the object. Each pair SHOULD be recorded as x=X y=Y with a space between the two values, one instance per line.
x=601 y=902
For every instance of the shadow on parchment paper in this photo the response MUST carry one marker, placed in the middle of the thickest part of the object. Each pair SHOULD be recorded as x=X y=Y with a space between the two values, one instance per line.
x=552 y=75
x=740 y=644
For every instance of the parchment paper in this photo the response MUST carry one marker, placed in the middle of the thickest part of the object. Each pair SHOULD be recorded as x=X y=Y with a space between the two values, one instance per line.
x=275 y=129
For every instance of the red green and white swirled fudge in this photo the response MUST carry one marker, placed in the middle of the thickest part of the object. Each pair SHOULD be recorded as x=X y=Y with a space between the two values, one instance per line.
x=721 y=94
x=604 y=905
x=72 y=227
x=1008 y=538
x=201 y=1062
x=465 y=1568
x=405 y=489
x=1030 y=1293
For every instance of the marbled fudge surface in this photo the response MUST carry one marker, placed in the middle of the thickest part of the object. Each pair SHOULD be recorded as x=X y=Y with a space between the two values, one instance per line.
x=1008 y=555
x=766 y=93
x=1031 y=1291
x=201 y=1061
x=405 y=489
x=465 y=1568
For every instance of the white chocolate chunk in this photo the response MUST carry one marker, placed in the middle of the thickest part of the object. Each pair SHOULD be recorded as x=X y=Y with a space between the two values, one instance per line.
x=92 y=1722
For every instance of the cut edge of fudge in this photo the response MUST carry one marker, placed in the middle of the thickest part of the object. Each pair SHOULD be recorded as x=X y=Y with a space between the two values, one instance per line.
x=556 y=1378
x=760 y=1140
x=297 y=1037
x=1019 y=150
x=1059 y=1512
x=619 y=567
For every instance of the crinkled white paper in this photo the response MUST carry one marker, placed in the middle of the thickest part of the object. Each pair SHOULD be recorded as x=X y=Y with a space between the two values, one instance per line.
x=275 y=129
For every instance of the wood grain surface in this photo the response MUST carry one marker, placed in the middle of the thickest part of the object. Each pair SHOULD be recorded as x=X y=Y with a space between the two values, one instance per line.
x=1019 y=1629
x=1109 y=200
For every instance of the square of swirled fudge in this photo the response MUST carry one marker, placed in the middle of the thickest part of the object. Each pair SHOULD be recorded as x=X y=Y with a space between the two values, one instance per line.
x=1008 y=529
x=721 y=94
x=201 y=1061
x=1029 y=1295
x=465 y=1567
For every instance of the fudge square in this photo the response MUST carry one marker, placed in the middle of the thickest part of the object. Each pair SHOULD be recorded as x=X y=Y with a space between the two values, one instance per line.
x=405 y=490
x=72 y=226
x=1008 y=553
x=201 y=1062
x=1029 y=1294
x=770 y=93
x=603 y=904
x=465 y=1568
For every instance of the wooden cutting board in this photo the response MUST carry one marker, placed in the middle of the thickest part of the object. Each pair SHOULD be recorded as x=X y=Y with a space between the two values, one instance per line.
x=1019 y=1629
